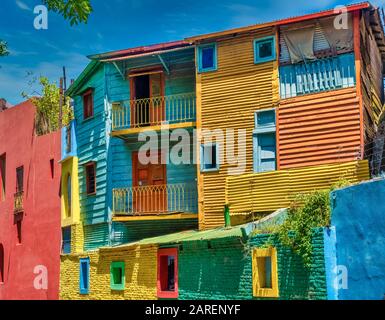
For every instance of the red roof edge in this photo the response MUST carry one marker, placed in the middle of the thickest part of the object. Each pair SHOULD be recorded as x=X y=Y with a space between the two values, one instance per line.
x=141 y=50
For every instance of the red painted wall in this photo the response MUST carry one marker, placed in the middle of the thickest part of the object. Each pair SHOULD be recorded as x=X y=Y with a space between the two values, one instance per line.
x=41 y=233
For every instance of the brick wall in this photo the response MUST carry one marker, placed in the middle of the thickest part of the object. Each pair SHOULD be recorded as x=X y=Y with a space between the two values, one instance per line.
x=140 y=272
x=223 y=271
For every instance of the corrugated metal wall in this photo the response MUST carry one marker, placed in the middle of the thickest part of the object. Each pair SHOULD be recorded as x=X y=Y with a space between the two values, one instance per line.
x=96 y=236
x=229 y=97
x=318 y=129
x=270 y=191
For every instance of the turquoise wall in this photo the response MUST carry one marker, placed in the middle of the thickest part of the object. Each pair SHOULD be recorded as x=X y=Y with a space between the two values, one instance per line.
x=92 y=141
x=358 y=217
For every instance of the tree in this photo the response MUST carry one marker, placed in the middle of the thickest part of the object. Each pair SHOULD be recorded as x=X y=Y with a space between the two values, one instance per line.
x=48 y=108
x=76 y=11
x=3 y=48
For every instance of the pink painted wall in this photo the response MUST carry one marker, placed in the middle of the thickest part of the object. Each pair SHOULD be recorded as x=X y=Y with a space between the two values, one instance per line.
x=41 y=233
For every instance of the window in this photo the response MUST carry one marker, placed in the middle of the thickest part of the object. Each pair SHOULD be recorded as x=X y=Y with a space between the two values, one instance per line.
x=264 y=50
x=52 y=166
x=264 y=141
x=210 y=157
x=117 y=274
x=20 y=179
x=2 y=177
x=66 y=242
x=84 y=278
x=91 y=178
x=69 y=195
x=2 y=259
x=167 y=273
x=207 y=57
x=265 y=273
x=88 y=104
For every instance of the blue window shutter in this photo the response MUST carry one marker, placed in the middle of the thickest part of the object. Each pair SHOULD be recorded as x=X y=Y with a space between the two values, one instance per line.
x=84 y=276
x=264 y=152
x=207 y=57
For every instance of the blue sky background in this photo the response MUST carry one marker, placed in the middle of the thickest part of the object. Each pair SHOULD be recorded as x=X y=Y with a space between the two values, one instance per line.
x=120 y=24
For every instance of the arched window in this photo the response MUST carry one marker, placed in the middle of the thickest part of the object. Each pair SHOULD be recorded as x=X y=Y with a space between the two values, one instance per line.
x=69 y=195
x=2 y=277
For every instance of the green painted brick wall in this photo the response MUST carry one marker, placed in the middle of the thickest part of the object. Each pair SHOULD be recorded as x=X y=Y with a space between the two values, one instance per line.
x=222 y=269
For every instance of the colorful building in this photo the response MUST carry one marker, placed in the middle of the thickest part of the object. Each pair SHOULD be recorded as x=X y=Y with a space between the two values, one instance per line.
x=29 y=207
x=305 y=94
x=303 y=100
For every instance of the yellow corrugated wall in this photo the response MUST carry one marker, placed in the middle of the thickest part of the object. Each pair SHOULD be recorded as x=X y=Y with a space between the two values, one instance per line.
x=228 y=98
x=140 y=272
x=270 y=191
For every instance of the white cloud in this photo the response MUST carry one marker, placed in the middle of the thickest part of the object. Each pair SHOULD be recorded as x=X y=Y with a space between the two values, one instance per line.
x=22 y=5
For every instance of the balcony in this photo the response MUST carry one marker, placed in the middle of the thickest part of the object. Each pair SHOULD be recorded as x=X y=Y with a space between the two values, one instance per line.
x=132 y=116
x=317 y=76
x=18 y=202
x=156 y=200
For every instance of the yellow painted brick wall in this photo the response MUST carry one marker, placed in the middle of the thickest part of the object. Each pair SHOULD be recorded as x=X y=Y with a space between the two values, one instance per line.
x=140 y=272
x=77 y=238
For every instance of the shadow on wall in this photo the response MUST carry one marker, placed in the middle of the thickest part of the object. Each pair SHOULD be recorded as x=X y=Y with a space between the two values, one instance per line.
x=358 y=216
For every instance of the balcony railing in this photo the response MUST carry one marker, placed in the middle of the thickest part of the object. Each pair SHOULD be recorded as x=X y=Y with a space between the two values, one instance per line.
x=18 y=204
x=153 y=111
x=317 y=76
x=155 y=199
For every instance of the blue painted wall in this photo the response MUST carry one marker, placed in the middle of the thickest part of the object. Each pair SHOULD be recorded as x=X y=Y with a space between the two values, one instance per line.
x=92 y=141
x=358 y=216
x=73 y=150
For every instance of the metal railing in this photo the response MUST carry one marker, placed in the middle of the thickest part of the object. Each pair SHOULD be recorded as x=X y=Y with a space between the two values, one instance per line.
x=153 y=111
x=18 y=204
x=317 y=76
x=155 y=199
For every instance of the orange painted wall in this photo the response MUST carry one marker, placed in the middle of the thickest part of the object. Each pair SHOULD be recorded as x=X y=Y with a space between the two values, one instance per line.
x=319 y=128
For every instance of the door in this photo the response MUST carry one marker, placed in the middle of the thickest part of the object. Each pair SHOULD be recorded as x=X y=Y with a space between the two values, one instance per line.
x=147 y=102
x=265 y=157
x=157 y=100
x=150 y=190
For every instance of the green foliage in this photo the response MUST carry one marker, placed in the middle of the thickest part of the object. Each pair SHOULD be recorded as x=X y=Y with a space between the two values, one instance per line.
x=76 y=11
x=48 y=108
x=307 y=212
x=3 y=48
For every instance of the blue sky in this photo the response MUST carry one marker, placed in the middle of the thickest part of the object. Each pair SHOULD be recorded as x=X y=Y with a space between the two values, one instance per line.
x=119 y=24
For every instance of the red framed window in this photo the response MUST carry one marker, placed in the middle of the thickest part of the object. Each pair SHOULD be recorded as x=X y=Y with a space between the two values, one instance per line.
x=90 y=169
x=88 y=104
x=167 y=281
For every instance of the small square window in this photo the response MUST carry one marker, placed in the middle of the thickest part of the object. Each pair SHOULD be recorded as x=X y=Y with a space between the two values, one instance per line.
x=265 y=273
x=117 y=274
x=168 y=273
x=207 y=57
x=265 y=118
x=84 y=276
x=88 y=104
x=209 y=157
x=264 y=50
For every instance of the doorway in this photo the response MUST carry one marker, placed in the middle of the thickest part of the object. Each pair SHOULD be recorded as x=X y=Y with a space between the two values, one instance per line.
x=150 y=180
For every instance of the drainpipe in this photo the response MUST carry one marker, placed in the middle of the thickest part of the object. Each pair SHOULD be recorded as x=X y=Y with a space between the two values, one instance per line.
x=227 y=216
